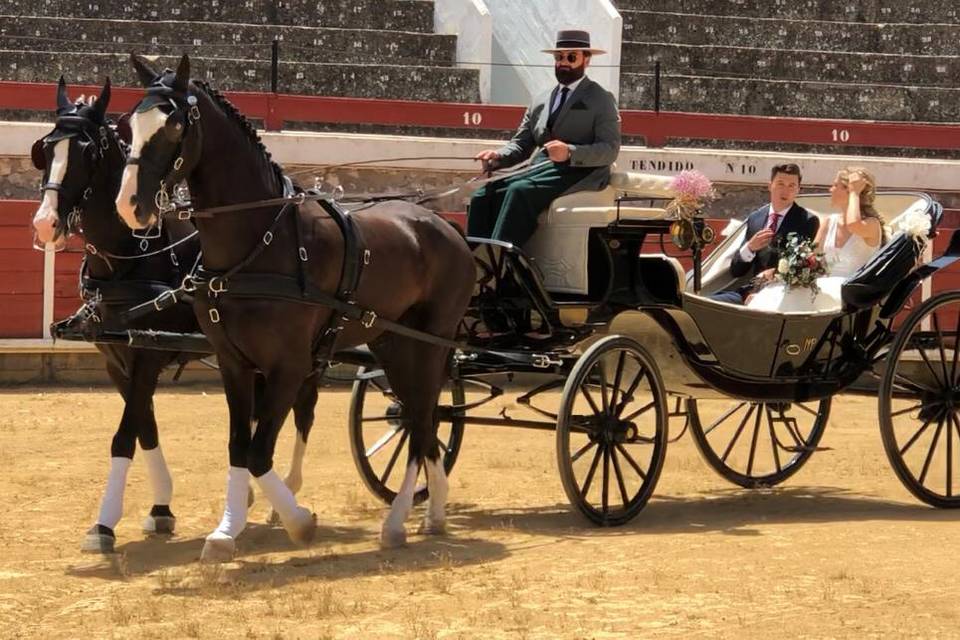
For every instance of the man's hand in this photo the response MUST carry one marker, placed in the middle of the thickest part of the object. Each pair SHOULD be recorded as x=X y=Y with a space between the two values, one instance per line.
x=489 y=158
x=762 y=238
x=557 y=150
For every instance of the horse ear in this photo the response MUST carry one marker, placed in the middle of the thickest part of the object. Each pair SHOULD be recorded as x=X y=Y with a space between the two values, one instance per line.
x=100 y=106
x=182 y=78
x=145 y=71
x=36 y=154
x=123 y=128
x=63 y=102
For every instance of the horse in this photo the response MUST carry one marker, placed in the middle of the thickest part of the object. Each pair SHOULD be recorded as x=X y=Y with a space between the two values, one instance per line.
x=415 y=269
x=82 y=162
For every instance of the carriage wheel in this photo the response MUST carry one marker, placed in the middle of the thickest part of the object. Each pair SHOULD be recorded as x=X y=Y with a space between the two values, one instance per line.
x=380 y=445
x=612 y=431
x=919 y=397
x=757 y=444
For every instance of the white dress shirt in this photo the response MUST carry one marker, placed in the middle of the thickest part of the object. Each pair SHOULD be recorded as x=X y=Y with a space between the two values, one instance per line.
x=745 y=253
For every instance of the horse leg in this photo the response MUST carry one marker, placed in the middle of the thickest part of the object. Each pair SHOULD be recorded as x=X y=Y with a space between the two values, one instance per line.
x=303 y=414
x=136 y=385
x=416 y=373
x=160 y=520
x=238 y=385
x=277 y=399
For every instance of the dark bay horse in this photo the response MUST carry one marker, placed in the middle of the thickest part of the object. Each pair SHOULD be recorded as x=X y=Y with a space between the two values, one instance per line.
x=417 y=270
x=82 y=161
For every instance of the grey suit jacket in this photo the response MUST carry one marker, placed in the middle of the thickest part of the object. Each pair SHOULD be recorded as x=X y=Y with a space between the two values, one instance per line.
x=588 y=121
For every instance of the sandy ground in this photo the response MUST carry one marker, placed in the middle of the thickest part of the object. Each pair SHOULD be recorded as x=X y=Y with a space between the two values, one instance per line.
x=841 y=550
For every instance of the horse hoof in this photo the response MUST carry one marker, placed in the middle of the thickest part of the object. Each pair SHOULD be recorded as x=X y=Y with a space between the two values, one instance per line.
x=159 y=525
x=99 y=539
x=393 y=538
x=429 y=527
x=217 y=550
x=303 y=528
x=274 y=519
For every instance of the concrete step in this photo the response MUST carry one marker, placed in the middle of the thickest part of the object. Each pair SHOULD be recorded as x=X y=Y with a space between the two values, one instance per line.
x=761 y=63
x=219 y=39
x=328 y=79
x=397 y=15
x=703 y=94
x=769 y=33
x=912 y=11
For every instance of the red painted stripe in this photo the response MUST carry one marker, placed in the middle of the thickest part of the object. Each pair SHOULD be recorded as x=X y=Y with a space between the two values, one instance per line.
x=657 y=128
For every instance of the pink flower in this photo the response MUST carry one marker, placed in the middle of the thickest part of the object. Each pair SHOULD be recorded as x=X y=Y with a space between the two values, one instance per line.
x=692 y=184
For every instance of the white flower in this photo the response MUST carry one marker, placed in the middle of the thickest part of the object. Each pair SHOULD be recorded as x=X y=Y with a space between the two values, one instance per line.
x=913 y=223
x=783 y=266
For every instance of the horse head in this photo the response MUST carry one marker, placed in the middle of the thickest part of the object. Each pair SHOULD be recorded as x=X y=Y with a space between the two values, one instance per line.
x=165 y=142
x=70 y=158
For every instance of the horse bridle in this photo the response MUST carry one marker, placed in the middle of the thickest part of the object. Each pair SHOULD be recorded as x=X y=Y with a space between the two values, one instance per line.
x=72 y=126
x=184 y=122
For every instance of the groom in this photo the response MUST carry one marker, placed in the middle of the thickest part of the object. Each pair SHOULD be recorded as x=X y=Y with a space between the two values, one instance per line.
x=767 y=228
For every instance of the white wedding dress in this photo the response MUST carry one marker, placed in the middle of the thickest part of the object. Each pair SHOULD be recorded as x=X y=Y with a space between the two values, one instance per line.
x=842 y=262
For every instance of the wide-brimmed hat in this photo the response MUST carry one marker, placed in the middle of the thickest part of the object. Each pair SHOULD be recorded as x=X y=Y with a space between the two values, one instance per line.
x=573 y=40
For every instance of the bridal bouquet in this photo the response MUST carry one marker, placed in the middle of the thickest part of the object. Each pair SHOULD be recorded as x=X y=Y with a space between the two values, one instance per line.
x=693 y=190
x=801 y=263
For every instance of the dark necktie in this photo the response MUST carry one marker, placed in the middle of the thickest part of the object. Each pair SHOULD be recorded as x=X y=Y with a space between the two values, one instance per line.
x=772 y=222
x=553 y=114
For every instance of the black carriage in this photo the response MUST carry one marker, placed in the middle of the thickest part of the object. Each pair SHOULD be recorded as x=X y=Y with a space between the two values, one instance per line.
x=633 y=341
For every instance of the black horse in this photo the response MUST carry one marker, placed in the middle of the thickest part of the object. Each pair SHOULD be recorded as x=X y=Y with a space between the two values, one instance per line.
x=415 y=269
x=82 y=162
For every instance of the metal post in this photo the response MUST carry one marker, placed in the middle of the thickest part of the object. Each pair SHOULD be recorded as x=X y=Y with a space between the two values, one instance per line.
x=275 y=65
x=656 y=87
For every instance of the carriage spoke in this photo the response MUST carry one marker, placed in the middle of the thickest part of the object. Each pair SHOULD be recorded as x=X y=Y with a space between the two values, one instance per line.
x=628 y=394
x=736 y=436
x=604 y=395
x=384 y=439
x=719 y=420
x=393 y=458
x=931 y=450
x=774 y=443
x=753 y=442
x=617 y=378
x=605 y=489
x=908 y=410
x=953 y=419
x=803 y=407
x=631 y=461
x=943 y=354
x=916 y=436
x=640 y=411
x=593 y=468
x=909 y=385
x=956 y=349
x=443 y=445
x=590 y=400
x=926 y=361
x=619 y=474
x=581 y=451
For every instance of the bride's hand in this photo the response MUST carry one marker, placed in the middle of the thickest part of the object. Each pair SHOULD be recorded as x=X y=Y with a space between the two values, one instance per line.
x=856 y=183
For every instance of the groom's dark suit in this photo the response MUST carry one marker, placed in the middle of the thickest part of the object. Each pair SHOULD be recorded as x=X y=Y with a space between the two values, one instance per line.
x=797 y=220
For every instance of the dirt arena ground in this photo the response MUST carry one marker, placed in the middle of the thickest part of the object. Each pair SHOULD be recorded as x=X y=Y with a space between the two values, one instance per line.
x=841 y=550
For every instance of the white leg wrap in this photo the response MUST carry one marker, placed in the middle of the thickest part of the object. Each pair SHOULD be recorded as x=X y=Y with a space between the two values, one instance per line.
x=235 y=512
x=281 y=498
x=438 y=488
x=111 y=508
x=159 y=476
x=403 y=503
x=295 y=475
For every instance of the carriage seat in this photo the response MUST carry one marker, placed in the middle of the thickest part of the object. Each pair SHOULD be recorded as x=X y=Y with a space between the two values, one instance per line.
x=560 y=244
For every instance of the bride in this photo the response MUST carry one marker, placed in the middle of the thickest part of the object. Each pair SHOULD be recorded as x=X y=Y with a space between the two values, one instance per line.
x=847 y=239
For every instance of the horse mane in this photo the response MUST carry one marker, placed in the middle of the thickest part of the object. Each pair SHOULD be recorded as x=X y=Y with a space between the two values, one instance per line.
x=246 y=127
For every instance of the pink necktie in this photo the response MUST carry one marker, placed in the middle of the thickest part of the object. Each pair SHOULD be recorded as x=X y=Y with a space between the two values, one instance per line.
x=772 y=222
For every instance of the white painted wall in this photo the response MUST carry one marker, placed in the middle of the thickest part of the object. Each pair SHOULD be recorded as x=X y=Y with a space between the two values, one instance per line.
x=523 y=28
x=471 y=22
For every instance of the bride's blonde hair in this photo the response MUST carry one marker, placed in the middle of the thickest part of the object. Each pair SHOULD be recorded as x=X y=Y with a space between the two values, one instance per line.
x=867 y=197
